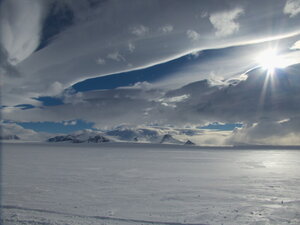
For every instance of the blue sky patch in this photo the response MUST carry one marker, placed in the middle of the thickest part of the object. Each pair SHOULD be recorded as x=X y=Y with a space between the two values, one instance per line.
x=56 y=127
x=25 y=106
x=50 y=101
x=226 y=126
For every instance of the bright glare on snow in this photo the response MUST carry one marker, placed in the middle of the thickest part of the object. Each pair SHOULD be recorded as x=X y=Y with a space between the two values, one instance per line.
x=141 y=184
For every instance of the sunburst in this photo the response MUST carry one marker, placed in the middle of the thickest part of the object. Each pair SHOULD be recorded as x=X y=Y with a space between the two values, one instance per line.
x=270 y=60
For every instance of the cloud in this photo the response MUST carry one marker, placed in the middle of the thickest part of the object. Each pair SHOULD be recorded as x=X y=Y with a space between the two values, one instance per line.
x=10 y=129
x=6 y=68
x=268 y=109
x=131 y=47
x=268 y=132
x=100 y=61
x=71 y=122
x=224 y=22
x=240 y=100
x=204 y=14
x=93 y=32
x=116 y=56
x=193 y=35
x=296 y=45
x=54 y=89
x=292 y=7
x=139 y=30
x=20 y=26
x=166 y=29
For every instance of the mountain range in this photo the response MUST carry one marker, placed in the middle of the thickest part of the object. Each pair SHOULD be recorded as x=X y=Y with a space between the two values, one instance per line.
x=142 y=135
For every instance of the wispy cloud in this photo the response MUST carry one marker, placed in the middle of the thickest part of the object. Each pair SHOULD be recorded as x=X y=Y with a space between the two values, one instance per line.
x=139 y=30
x=71 y=122
x=193 y=35
x=292 y=7
x=131 y=47
x=224 y=22
x=100 y=61
x=116 y=56
x=166 y=29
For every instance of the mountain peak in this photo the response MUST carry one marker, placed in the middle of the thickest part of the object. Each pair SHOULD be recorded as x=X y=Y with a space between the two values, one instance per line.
x=188 y=142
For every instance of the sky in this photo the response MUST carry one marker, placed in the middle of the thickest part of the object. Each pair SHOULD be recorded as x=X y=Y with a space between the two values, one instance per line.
x=231 y=66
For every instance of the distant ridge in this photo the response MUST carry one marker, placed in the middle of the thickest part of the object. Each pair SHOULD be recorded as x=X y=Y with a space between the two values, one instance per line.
x=80 y=138
x=9 y=137
x=169 y=139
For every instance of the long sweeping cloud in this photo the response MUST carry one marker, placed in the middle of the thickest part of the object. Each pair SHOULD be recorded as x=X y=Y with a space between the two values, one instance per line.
x=92 y=41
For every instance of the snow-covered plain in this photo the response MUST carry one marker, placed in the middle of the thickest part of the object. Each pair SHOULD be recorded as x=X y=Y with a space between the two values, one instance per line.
x=117 y=183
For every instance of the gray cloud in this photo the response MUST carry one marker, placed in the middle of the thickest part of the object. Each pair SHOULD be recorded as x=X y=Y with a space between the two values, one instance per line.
x=131 y=47
x=100 y=61
x=114 y=36
x=166 y=29
x=6 y=68
x=116 y=56
x=267 y=106
x=139 y=30
x=234 y=100
x=95 y=33
x=20 y=26
x=268 y=132
x=193 y=35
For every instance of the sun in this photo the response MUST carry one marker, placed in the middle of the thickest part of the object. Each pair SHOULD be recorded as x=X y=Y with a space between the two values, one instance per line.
x=270 y=60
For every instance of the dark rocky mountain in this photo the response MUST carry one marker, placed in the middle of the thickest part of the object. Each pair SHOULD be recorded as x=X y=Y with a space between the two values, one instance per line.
x=80 y=138
x=169 y=139
x=98 y=139
x=188 y=142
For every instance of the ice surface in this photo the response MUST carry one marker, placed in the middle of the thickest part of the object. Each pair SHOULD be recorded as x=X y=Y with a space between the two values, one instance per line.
x=113 y=183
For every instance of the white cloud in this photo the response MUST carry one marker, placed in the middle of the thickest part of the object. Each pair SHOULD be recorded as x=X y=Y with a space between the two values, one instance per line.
x=292 y=7
x=169 y=102
x=100 y=61
x=166 y=29
x=296 y=45
x=10 y=129
x=268 y=132
x=131 y=47
x=193 y=35
x=139 y=30
x=179 y=98
x=224 y=22
x=71 y=122
x=116 y=56
x=20 y=28
x=54 y=89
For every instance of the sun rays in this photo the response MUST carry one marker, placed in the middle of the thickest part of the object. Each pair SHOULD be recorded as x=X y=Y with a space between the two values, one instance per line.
x=269 y=60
